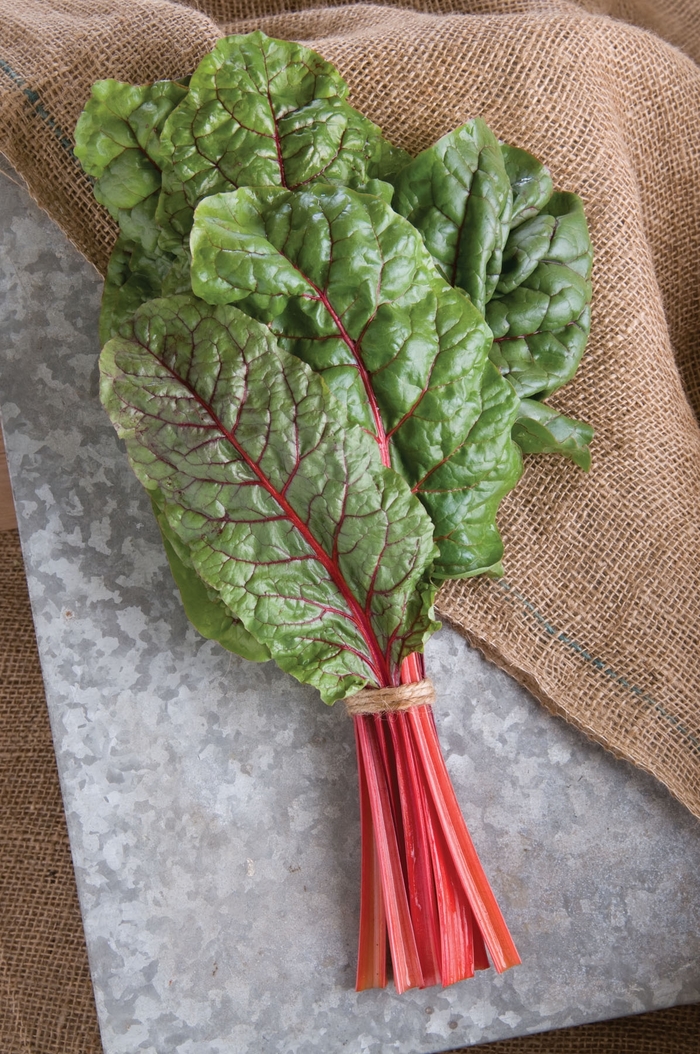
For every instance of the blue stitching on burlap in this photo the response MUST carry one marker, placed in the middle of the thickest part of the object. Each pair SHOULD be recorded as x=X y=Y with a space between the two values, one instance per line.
x=38 y=107
x=602 y=666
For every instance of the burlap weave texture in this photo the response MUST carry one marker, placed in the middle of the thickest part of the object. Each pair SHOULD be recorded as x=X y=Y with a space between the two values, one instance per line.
x=598 y=613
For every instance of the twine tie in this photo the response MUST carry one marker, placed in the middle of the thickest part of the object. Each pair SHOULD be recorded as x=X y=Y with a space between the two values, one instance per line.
x=391 y=700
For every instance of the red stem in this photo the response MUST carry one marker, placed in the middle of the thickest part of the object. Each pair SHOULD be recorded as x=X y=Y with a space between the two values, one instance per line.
x=460 y=846
x=388 y=756
x=456 y=946
x=419 y=871
x=413 y=668
x=421 y=877
x=371 y=953
x=404 y=954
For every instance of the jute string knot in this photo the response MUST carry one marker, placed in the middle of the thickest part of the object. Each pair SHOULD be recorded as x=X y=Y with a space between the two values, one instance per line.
x=389 y=700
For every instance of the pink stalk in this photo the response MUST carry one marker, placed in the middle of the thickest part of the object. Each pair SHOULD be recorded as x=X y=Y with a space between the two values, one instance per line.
x=371 y=953
x=419 y=872
x=402 y=942
x=421 y=878
x=459 y=844
x=422 y=882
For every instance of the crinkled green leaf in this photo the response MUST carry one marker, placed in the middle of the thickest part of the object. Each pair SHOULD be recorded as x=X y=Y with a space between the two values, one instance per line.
x=466 y=490
x=538 y=305
x=540 y=325
x=530 y=181
x=541 y=430
x=458 y=195
x=265 y=112
x=118 y=142
x=286 y=512
x=389 y=161
x=349 y=287
x=174 y=214
x=134 y=276
x=203 y=606
x=526 y=248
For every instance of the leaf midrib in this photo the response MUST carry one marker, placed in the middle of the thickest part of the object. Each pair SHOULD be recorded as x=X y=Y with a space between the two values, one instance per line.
x=322 y=296
x=379 y=666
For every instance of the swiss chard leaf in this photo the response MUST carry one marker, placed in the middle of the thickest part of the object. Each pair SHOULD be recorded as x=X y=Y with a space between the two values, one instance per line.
x=537 y=305
x=287 y=514
x=134 y=276
x=530 y=182
x=118 y=142
x=348 y=286
x=265 y=112
x=463 y=493
x=541 y=430
x=457 y=193
x=203 y=607
x=539 y=314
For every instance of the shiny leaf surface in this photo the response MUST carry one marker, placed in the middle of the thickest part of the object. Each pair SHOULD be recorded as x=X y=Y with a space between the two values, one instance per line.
x=285 y=511
x=118 y=142
x=458 y=195
x=539 y=429
x=539 y=314
x=348 y=286
x=203 y=607
x=538 y=305
x=265 y=112
x=135 y=276
x=530 y=182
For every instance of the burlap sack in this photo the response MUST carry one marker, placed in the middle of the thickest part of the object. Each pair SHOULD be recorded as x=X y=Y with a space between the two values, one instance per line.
x=598 y=613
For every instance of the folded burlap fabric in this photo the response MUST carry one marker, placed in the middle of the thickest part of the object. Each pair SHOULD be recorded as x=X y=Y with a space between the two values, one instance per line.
x=598 y=613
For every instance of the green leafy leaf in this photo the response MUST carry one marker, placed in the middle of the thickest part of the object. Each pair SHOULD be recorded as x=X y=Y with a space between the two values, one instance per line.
x=286 y=512
x=118 y=142
x=389 y=162
x=348 y=286
x=541 y=430
x=203 y=606
x=538 y=305
x=464 y=492
x=526 y=248
x=539 y=314
x=530 y=182
x=458 y=195
x=265 y=112
x=174 y=213
x=135 y=276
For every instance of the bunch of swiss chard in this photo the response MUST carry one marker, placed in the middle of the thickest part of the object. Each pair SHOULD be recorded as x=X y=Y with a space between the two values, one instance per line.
x=325 y=358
